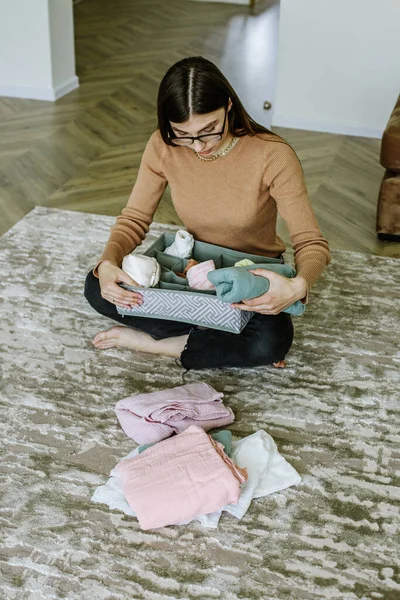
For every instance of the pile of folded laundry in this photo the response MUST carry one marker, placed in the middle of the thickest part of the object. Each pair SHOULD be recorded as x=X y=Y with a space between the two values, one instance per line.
x=180 y=473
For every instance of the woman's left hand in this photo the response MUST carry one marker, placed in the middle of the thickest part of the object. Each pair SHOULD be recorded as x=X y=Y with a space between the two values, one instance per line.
x=281 y=294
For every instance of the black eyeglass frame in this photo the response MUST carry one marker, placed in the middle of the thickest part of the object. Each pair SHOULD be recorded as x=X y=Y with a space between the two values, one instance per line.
x=200 y=137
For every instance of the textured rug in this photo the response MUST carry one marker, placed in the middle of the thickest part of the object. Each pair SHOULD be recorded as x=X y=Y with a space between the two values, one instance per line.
x=333 y=413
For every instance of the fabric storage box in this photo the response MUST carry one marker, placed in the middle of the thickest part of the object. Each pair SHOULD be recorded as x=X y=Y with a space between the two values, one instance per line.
x=174 y=300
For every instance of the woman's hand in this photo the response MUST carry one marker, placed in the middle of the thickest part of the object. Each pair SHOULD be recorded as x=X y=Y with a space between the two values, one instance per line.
x=109 y=276
x=281 y=294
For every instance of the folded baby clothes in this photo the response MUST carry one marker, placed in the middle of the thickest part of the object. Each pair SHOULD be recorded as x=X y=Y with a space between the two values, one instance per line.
x=234 y=284
x=197 y=275
x=224 y=437
x=144 y=270
x=182 y=246
x=152 y=417
x=191 y=263
x=268 y=472
x=180 y=478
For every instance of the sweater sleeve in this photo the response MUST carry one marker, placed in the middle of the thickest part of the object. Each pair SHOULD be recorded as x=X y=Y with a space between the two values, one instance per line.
x=288 y=189
x=132 y=225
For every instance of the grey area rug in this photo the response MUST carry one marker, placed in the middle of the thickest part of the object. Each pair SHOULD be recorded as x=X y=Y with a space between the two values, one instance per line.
x=333 y=413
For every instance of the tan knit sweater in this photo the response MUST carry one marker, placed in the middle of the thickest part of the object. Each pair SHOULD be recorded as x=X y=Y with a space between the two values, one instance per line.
x=232 y=201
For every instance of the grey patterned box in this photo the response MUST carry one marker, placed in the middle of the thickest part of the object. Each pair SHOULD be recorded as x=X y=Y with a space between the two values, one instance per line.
x=174 y=300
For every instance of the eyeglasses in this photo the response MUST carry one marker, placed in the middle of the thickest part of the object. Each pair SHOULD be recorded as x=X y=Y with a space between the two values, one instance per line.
x=208 y=137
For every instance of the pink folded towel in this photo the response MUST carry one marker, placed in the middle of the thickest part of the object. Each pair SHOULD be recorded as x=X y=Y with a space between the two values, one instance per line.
x=148 y=418
x=180 y=478
x=197 y=275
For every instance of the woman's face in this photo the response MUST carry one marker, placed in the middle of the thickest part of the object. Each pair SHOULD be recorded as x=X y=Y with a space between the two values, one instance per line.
x=209 y=123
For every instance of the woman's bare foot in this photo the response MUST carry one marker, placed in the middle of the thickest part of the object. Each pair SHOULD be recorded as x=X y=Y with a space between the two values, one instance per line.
x=126 y=337
x=280 y=364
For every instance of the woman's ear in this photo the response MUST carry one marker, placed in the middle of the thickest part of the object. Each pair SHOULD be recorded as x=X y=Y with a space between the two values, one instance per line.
x=229 y=104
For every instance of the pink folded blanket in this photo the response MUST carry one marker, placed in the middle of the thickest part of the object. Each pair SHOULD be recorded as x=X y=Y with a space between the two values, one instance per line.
x=152 y=417
x=180 y=478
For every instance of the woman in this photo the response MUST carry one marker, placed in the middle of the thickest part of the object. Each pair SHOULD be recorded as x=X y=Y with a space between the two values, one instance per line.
x=228 y=177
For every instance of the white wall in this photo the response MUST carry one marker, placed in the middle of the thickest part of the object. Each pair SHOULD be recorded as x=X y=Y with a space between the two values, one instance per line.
x=62 y=41
x=37 y=58
x=338 y=65
x=249 y=58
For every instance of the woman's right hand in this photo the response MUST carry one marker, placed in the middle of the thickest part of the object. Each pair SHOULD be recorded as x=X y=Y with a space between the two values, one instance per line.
x=109 y=277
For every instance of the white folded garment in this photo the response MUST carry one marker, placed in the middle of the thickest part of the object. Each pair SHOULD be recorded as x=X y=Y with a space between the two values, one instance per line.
x=268 y=472
x=145 y=270
x=182 y=246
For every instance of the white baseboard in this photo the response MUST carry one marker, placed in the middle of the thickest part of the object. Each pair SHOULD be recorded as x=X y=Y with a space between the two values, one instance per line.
x=67 y=87
x=33 y=93
x=243 y=2
x=326 y=127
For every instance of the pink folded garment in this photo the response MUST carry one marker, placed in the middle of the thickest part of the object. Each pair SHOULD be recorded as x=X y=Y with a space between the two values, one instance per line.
x=197 y=276
x=148 y=418
x=180 y=478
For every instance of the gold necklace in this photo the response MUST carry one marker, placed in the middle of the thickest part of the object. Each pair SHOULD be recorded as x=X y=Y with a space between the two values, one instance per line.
x=220 y=153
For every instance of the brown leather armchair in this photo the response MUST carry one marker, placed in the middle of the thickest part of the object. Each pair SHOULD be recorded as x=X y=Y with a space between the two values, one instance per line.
x=388 y=214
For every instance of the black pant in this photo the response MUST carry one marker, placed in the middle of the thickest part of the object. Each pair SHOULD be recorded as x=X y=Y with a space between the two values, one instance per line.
x=264 y=340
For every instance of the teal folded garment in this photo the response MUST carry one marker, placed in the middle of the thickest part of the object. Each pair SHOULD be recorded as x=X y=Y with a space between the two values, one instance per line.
x=224 y=437
x=235 y=284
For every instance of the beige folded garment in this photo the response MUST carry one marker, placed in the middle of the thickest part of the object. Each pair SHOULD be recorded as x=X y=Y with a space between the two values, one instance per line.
x=145 y=270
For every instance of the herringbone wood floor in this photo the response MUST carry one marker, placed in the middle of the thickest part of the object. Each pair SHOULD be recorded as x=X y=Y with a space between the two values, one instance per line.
x=83 y=152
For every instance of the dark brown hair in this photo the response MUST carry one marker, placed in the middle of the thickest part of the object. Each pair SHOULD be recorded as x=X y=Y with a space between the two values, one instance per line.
x=195 y=86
